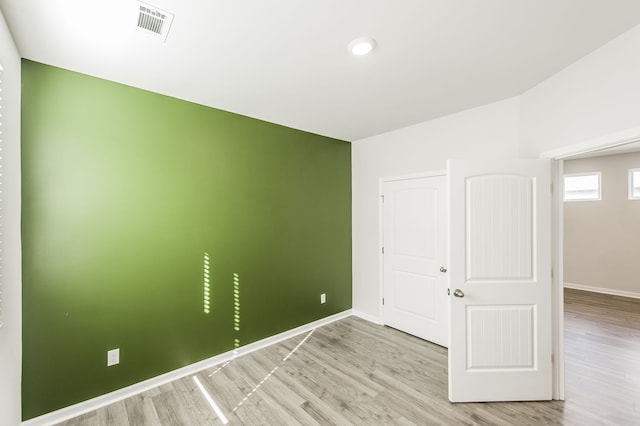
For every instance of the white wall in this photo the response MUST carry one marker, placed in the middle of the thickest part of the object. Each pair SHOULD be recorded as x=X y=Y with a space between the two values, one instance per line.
x=11 y=332
x=480 y=132
x=596 y=96
x=602 y=238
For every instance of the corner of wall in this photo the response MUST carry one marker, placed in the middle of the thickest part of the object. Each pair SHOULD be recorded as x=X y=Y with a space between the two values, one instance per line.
x=10 y=333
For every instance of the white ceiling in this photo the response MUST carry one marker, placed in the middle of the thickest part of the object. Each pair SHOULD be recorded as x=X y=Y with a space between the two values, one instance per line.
x=286 y=61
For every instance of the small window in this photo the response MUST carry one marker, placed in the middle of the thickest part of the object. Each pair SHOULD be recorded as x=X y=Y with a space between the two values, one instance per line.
x=582 y=187
x=634 y=184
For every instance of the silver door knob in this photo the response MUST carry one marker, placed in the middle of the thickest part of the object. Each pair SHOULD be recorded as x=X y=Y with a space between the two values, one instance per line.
x=458 y=293
x=443 y=269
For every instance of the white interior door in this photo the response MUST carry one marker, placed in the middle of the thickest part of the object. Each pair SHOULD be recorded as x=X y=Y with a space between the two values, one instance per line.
x=415 y=250
x=500 y=278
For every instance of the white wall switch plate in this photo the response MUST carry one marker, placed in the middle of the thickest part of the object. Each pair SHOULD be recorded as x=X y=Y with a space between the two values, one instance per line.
x=323 y=298
x=113 y=357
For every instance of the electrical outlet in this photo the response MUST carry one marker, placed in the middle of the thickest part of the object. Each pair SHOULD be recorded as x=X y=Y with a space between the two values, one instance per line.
x=323 y=298
x=113 y=357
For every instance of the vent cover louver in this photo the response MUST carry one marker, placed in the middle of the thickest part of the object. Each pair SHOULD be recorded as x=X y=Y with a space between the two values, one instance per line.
x=154 y=21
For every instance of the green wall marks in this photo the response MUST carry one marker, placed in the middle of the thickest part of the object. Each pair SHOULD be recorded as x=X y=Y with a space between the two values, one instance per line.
x=124 y=191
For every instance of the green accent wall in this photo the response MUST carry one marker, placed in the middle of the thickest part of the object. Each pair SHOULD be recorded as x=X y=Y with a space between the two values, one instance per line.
x=124 y=191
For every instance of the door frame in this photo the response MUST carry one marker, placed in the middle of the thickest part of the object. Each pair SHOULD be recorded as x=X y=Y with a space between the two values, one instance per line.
x=381 y=183
x=557 y=232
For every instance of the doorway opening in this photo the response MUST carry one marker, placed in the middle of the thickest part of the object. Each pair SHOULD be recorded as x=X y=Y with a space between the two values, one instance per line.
x=627 y=140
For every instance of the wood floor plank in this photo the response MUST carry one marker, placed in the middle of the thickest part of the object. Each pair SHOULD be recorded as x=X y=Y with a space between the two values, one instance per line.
x=169 y=408
x=602 y=346
x=353 y=372
x=283 y=410
x=141 y=411
x=194 y=402
x=290 y=375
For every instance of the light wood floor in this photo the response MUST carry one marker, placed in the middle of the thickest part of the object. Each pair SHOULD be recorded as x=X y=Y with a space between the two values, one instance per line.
x=355 y=372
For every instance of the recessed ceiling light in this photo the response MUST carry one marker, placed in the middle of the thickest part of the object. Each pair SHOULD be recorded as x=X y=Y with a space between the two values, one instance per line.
x=362 y=45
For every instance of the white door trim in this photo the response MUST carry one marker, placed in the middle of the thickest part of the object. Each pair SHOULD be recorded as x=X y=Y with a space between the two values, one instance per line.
x=557 y=295
x=558 y=155
x=595 y=144
x=381 y=183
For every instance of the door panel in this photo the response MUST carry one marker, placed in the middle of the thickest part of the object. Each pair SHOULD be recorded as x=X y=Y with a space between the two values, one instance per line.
x=499 y=230
x=414 y=219
x=415 y=248
x=414 y=294
x=500 y=335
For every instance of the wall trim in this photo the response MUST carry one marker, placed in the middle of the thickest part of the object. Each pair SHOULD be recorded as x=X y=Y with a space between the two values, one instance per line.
x=557 y=279
x=602 y=290
x=93 y=404
x=596 y=144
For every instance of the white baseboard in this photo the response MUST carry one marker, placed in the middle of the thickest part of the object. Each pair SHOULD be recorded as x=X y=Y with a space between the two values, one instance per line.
x=367 y=317
x=603 y=290
x=103 y=400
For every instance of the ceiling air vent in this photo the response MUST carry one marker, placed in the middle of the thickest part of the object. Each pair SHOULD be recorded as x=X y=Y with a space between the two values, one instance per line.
x=154 y=21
